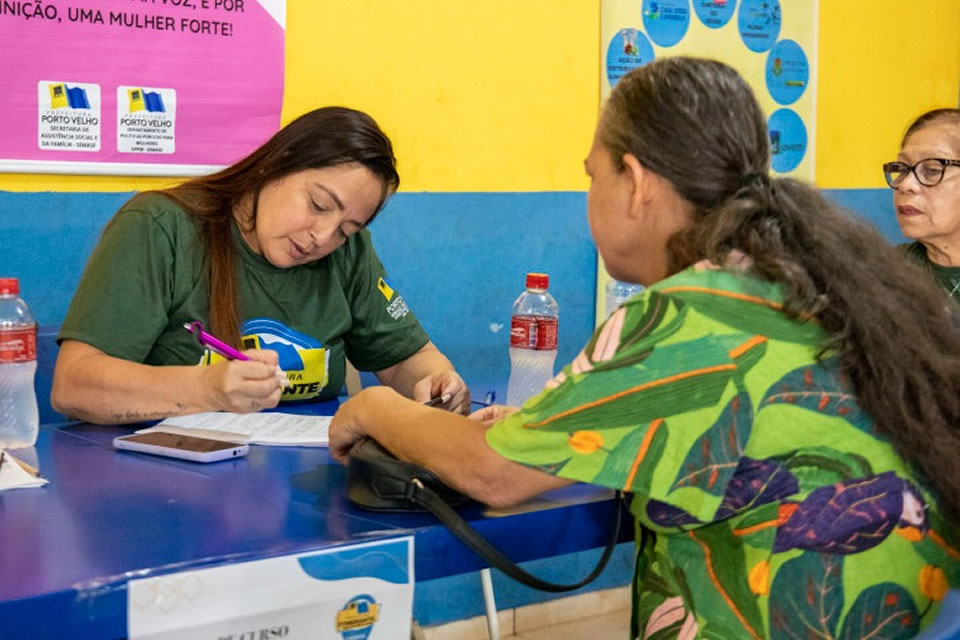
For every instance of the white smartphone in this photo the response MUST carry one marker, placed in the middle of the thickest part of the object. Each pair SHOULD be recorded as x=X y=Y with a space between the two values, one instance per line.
x=174 y=445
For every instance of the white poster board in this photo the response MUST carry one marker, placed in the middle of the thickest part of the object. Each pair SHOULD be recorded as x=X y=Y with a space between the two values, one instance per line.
x=357 y=592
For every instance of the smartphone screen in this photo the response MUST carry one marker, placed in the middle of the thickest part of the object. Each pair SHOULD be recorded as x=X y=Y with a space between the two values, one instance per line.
x=177 y=441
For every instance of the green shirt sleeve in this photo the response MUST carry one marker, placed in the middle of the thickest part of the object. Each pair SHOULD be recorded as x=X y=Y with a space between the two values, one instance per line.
x=384 y=331
x=634 y=411
x=122 y=302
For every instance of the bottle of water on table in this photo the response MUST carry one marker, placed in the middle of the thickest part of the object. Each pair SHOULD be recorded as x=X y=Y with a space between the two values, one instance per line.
x=533 y=340
x=19 y=418
x=618 y=292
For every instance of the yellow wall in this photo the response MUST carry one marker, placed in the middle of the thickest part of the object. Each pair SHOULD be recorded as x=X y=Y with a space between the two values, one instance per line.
x=497 y=95
x=881 y=63
x=502 y=95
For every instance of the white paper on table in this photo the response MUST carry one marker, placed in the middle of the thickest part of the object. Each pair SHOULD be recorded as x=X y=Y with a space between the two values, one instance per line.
x=255 y=428
x=13 y=476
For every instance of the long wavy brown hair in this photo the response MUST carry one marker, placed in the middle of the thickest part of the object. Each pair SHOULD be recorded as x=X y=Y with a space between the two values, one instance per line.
x=321 y=138
x=697 y=123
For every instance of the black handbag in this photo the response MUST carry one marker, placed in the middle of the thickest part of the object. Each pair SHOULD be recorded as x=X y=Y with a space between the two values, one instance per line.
x=377 y=480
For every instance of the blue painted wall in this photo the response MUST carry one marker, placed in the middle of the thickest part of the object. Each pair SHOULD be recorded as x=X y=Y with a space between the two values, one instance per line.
x=458 y=258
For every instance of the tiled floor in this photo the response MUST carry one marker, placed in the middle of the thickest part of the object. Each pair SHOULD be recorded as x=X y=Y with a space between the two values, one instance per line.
x=614 y=625
x=596 y=615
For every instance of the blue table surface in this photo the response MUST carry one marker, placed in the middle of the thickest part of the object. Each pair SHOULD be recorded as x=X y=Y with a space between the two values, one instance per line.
x=109 y=516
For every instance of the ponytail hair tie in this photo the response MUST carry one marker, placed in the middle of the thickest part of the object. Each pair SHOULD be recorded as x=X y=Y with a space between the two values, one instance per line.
x=753 y=177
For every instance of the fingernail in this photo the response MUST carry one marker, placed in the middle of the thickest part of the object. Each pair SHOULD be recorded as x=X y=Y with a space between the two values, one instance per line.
x=282 y=375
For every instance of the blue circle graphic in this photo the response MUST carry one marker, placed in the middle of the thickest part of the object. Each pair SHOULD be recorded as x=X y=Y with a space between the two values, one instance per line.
x=714 y=13
x=788 y=140
x=788 y=72
x=759 y=23
x=666 y=21
x=628 y=50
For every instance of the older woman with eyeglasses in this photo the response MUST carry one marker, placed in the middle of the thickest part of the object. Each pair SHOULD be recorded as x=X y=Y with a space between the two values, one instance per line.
x=926 y=192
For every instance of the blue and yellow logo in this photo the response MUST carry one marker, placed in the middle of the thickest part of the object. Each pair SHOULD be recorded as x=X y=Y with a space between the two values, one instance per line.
x=62 y=96
x=356 y=619
x=141 y=100
x=385 y=289
x=305 y=360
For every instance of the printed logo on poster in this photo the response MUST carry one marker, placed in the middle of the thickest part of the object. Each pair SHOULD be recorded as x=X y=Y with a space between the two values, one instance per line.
x=628 y=49
x=356 y=619
x=68 y=116
x=146 y=120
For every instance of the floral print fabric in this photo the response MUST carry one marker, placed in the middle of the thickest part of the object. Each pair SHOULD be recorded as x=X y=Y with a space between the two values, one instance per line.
x=777 y=509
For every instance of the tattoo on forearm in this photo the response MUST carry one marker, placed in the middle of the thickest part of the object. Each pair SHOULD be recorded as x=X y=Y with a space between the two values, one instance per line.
x=140 y=416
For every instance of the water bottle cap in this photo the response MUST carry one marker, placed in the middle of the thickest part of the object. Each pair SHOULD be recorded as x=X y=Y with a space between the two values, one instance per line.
x=537 y=281
x=9 y=286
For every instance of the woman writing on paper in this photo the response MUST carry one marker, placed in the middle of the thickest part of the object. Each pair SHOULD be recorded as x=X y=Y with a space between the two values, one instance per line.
x=793 y=453
x=272 y=254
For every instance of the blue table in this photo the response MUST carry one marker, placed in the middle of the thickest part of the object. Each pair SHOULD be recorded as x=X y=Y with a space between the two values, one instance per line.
x=69 y=548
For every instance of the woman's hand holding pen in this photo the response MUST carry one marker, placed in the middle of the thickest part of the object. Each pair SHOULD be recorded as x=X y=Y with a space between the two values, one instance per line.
x=244 y=386
x=445 y=384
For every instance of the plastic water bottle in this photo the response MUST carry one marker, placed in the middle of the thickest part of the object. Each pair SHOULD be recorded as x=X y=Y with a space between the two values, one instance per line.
x=533 y=340
x=19 y=418
x=619 y=292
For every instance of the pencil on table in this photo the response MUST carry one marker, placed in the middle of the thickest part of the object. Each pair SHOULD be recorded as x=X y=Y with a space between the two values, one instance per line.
x=28 y=468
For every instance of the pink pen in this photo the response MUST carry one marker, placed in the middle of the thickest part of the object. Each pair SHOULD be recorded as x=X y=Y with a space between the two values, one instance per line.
x=222 y=348
x=215 y=345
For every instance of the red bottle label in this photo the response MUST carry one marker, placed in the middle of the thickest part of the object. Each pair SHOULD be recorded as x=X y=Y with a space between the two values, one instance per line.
x=533 y=332
x=18 y=345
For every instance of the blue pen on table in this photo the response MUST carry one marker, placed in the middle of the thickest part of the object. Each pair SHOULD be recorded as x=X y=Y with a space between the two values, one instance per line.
x=487 y=401
x=219 y=346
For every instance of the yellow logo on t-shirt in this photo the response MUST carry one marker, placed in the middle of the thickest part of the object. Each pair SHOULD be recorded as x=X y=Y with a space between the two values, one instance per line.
x=305 y=361
x=385 y=289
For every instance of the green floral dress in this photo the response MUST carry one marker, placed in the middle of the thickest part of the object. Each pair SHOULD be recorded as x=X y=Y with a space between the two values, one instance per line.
x=777 y=510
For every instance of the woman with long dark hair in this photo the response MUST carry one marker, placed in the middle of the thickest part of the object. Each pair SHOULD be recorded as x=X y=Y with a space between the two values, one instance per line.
x=272 y=254
x=781 y=402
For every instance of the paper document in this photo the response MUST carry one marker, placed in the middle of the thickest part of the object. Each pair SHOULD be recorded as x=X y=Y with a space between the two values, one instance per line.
x=14 y=476
x=255 y=428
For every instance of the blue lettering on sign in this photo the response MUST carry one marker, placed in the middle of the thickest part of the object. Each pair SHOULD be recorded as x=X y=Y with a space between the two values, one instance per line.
x=788 y=140
x=759 y=24
x=666 y=21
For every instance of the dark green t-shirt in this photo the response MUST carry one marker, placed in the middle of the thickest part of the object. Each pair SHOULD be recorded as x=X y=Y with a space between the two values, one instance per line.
x=148 y=276
x=947 y=277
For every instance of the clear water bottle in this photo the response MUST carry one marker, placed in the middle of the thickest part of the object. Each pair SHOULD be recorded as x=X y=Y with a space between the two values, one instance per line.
x=619 y=292
x=19 y=418
x=533 y=340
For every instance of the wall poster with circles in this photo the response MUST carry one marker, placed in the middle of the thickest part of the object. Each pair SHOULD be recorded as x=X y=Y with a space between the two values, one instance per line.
x=772 y=43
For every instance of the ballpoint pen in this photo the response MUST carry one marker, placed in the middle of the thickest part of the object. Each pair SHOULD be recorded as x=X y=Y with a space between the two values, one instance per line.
x=438 y=400
x=220 y=347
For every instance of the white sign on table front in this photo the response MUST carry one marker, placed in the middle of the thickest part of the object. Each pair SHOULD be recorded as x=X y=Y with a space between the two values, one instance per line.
x=358 y=592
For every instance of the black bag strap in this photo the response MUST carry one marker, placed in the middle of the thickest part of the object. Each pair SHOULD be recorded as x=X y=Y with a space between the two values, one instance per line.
x=422 y=494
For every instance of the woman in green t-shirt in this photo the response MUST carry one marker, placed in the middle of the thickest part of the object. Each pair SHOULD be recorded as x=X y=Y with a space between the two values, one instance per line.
x=780 y=402
x=273 y=255
x=926 y=193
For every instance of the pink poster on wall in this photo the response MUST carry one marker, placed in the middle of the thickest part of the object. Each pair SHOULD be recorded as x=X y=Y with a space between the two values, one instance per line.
x=138 y=87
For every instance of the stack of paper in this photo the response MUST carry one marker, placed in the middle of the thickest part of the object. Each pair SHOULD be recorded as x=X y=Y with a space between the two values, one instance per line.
x=15 y=476
x=287 y=429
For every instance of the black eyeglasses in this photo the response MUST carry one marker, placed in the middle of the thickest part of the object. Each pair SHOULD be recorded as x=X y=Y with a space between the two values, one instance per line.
x=929 y=171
